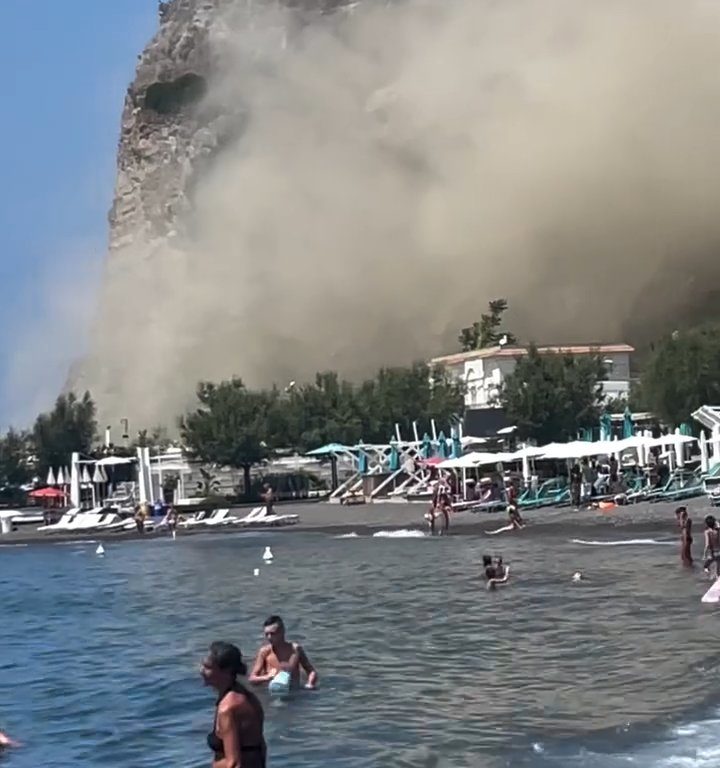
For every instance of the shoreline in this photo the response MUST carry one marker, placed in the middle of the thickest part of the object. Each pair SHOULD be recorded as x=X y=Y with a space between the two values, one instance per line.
x=331 y=519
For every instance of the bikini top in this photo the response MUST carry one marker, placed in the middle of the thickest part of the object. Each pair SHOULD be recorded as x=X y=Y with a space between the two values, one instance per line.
x=215 y=743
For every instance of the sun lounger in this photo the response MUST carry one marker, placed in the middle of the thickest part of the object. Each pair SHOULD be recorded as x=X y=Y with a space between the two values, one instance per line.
x=61 y=524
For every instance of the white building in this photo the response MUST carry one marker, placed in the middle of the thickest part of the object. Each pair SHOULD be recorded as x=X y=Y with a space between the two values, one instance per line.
x=484 y=370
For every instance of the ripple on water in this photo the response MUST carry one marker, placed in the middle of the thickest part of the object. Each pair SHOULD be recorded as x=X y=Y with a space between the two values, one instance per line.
x=420 y=666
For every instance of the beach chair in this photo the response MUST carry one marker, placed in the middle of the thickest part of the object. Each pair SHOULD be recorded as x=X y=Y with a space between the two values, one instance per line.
x=552 y=493
x=219 y=517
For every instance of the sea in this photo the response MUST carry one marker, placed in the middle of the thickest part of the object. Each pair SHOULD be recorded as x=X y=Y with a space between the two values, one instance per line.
x=420 y=666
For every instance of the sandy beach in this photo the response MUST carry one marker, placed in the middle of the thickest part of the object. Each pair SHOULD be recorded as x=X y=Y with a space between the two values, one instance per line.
x=644 y=519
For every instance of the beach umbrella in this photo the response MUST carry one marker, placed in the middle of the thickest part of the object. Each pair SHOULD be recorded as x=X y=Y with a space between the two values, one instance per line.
x=426 y=450
x=362 y=463
x=68 y=476
x=686 y=429
x=442 y=446
x=103 y=475
x=51 y=477
x=394 y=457
x=60 y=477
x=628 y=425
x=85 y=477
x=605 y=427
x=97 y=477
x=704 y=459
x=457 y=451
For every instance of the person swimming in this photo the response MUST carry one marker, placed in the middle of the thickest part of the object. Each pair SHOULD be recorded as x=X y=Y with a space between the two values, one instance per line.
x=495 y=574
x=237 y=736
x=6 y=742
x=711 y=553
x=278 y=655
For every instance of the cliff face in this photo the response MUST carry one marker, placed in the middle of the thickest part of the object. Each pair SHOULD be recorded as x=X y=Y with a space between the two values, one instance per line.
x=147 y=334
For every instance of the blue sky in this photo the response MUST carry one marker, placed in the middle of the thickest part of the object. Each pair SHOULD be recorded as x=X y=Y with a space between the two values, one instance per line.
x=66 y=65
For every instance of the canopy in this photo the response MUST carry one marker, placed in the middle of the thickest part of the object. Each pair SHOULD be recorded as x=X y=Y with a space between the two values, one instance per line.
x=47 y=493
x=328 y=450
x=111 y=461
x=476 y=459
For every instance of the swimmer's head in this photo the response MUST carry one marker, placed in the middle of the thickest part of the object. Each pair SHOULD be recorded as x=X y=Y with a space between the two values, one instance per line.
x=487 y=560
x=710 y=521
x=222 y=665
x=274 y=629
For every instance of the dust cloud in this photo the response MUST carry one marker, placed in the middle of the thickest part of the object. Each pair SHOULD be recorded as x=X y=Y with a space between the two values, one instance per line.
x=403 y=163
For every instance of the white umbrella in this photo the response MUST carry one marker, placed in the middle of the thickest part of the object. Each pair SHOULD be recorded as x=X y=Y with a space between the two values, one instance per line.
x=85 y=478
x=97 y=475
x=704 y=461
x=67 y=475
x=103 y=474
x=51 y=477
x=60 y=476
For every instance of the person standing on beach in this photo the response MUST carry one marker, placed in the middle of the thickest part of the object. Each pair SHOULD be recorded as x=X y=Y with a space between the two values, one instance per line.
x=575 y=484
x=269 y=498
x=237 y=739
x=278 y=654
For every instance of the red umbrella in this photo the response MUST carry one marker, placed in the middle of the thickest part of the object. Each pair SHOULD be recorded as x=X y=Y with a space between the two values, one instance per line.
x=47 y=493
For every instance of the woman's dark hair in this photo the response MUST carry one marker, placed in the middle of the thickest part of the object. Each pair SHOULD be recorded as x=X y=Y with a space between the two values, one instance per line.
x=710 y=521
x=227 y=657
x=487 y=560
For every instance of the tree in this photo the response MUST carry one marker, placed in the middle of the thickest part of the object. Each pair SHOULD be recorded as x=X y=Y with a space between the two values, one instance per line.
x=682 y=373
x=231 y=426
x=551 y=397
x=487 y=332
x=70 y=426
x=15 y=469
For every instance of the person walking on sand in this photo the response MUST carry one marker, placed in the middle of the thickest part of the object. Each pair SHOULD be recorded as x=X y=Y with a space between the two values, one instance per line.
x=280 y=655
x=269 y=498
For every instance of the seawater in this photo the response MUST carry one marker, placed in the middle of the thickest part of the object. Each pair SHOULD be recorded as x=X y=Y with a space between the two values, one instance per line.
x=419 y=665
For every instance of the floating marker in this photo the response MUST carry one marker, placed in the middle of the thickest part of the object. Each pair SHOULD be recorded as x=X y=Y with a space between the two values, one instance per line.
x=256 y=572
x=100 y=550
x=267 y=555
x=577 y=576
x=174 y=534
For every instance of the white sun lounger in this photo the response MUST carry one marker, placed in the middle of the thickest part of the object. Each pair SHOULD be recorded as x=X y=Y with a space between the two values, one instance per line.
x=252 y=515
x=262 y=519
x=218 y=517
x=61 y=524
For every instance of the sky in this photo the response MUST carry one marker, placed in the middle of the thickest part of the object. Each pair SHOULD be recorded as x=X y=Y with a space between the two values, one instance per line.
x=66 y=67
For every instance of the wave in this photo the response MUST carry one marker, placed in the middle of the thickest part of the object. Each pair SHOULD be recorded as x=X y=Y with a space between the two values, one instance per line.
x=352 y=535
x=624 y=543
x=404 y=533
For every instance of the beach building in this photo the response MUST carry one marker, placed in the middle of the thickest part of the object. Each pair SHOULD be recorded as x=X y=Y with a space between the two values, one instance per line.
x=484 y=370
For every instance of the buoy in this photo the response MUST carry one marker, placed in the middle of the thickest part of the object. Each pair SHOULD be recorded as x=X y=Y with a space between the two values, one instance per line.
x=267 y=555
x=100 y=550
x=256 y=572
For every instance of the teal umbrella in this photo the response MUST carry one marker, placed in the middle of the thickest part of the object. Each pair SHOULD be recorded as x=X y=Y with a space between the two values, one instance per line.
x=456 y=445
x=362 y=462
x=426 y=450
x=628 y=426
x=605 y=427
x=686 y=429
x=394 y=457
x=442 y=446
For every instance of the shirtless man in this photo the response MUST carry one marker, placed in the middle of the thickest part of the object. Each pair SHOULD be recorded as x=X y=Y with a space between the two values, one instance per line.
x=711 y=553
x=280 y=654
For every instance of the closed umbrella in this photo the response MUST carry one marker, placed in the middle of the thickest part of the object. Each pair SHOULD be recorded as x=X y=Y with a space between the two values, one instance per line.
x=704 y=458
x=60 y=476
x=426 y=448
x=605 y=427
x=394 y=457
x=85 y=477
x=628 y=426
x=362 y=463
x=442 y=446
x=51 y=477
x=456 y=445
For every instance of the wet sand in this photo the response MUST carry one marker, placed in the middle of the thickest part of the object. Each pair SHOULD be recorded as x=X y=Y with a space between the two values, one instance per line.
x=642 y=519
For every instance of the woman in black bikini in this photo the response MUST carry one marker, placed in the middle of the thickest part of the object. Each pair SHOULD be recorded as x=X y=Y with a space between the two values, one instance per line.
x=237 y=735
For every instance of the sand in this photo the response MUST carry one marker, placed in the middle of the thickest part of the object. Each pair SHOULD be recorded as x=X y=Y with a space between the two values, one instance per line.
x=322 y=517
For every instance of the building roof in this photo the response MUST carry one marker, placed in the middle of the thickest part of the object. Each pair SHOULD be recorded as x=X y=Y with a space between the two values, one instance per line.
x=570 y=349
